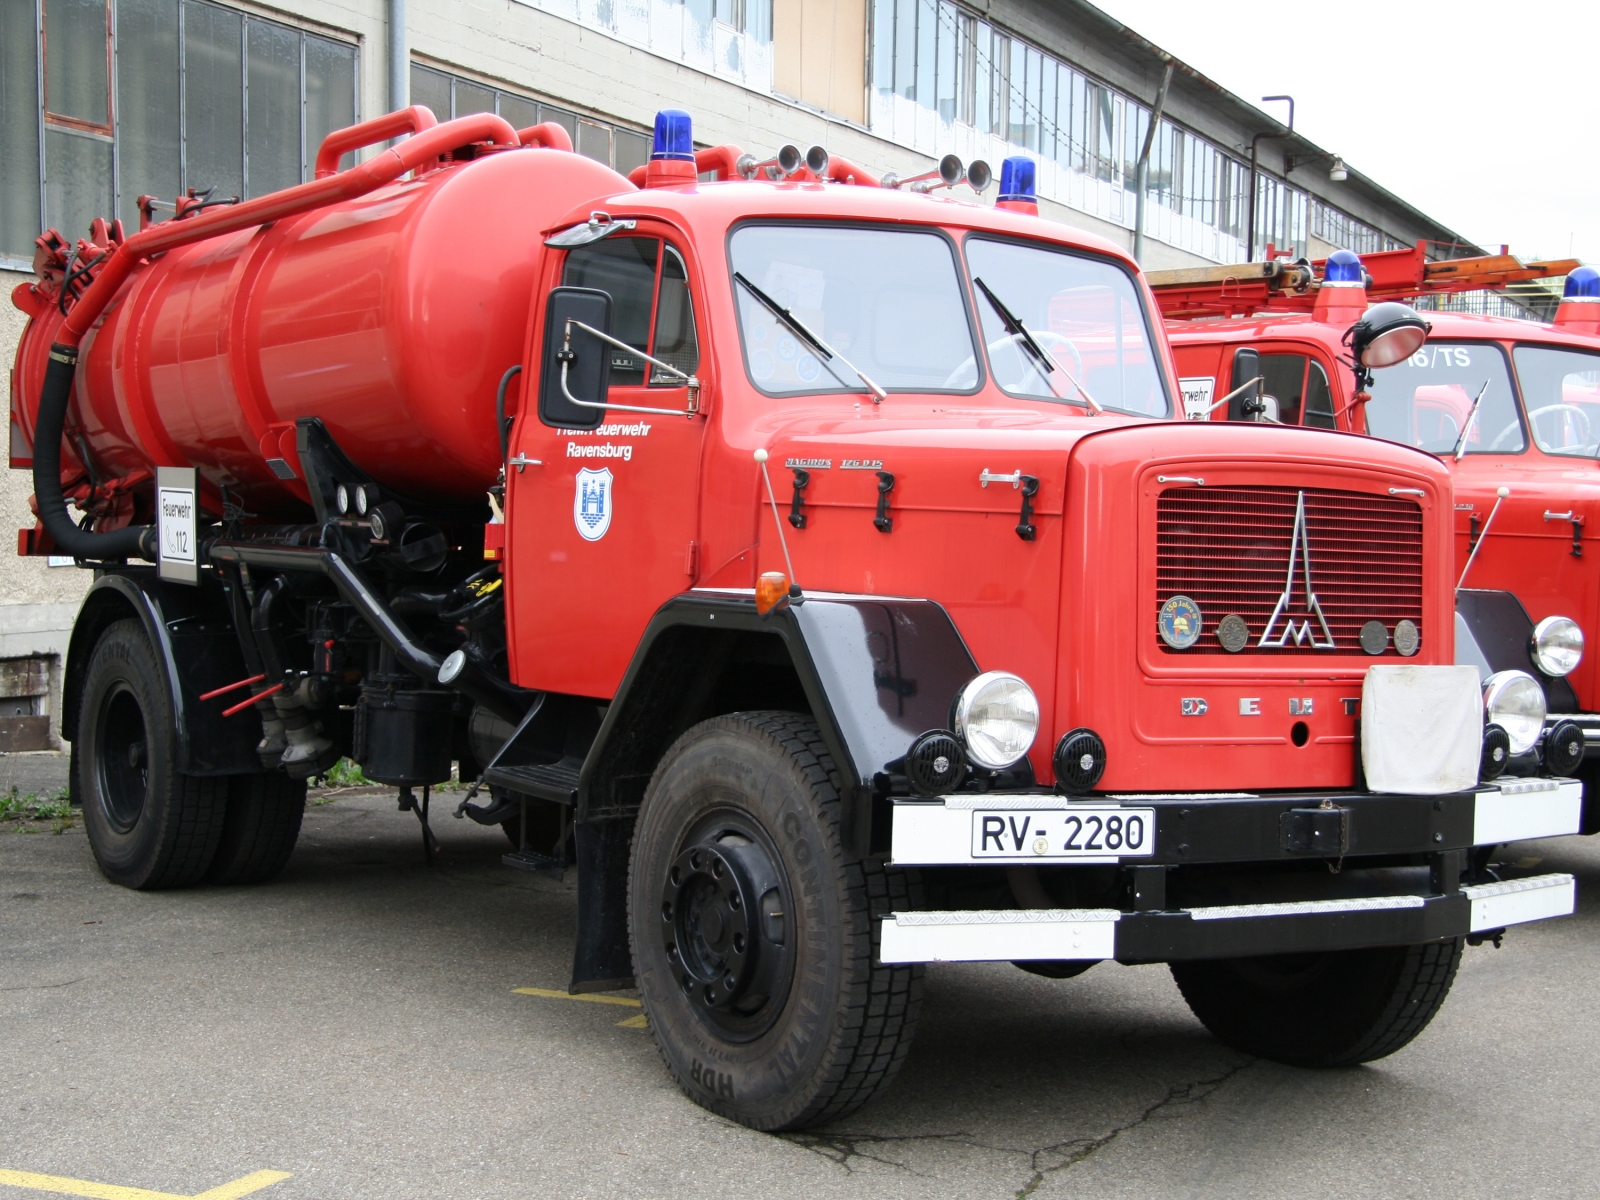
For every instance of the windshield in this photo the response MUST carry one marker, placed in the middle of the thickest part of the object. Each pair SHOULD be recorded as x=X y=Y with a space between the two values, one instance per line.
x=1426 y=399
x=1082 y=312
x=1561 y=390
x=888 y=301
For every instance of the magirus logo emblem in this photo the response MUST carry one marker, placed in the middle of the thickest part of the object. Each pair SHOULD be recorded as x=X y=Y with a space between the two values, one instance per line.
x=1299 y=548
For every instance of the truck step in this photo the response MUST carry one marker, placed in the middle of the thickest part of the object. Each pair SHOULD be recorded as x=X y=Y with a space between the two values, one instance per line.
x=556 y=781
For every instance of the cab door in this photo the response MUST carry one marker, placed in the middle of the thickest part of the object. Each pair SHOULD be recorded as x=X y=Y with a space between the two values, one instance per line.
x=602 y=523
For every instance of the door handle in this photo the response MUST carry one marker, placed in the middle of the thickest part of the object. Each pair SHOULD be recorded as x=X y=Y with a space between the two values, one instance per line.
x=522 y=460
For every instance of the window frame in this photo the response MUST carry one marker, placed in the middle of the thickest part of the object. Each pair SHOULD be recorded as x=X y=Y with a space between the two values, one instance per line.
x=664 y=244
x=1516 y=401
x=1174 y=408
x=958 y=260
x=1530 y=435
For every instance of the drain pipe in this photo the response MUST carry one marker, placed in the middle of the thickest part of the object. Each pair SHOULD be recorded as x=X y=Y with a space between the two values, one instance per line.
x=1143 y=173
x=400 y=59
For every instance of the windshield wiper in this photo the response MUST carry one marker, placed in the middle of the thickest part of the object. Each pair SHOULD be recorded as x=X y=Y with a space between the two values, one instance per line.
x=795 y=326
x=1461 y=444
x=1015 y=327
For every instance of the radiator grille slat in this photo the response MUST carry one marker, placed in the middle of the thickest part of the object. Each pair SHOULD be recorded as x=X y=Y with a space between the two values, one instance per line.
x=1227 y=549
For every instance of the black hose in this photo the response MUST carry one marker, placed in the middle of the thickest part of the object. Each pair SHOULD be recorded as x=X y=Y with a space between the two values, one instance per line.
x=500 y=425
x=135 y=541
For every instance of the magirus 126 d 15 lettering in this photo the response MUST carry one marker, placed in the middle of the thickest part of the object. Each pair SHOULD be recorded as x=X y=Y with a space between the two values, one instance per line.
x=856 y=605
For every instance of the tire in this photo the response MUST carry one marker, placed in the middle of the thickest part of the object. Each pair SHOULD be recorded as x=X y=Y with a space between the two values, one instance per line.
x=742 y=817
x=1589 y=818
x=149 y=825
x=1335 y=1009
x=260 y=829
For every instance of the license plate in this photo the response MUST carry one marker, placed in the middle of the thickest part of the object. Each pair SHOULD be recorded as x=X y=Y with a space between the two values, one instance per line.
x=1053 y=833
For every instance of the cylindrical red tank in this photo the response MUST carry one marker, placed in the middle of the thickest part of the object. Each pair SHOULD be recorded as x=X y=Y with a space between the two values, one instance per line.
x=391 y=317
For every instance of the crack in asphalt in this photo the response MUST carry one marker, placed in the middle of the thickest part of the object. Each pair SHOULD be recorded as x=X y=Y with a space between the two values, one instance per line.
x=39 y=987
x=841 y=1148
x=1077 y=1150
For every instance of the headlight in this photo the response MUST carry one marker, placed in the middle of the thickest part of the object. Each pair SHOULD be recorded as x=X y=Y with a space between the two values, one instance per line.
x=997 y=717
x=1514 y=701
x=1557 y=645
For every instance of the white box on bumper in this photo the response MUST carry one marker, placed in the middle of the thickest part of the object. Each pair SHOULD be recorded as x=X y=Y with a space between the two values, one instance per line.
x=1421 y=729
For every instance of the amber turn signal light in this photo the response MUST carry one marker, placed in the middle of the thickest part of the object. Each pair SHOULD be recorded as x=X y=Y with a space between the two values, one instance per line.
x=772 y=590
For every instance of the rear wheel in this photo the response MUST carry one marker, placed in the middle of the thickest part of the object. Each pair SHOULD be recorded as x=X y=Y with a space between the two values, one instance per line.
x=754 y=934
x=260 y=829
x=1334 y=1009
x=149 y=825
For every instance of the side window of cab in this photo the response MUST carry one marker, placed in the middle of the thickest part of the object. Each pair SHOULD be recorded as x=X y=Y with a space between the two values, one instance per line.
x=651 y=306
x=1299 y=386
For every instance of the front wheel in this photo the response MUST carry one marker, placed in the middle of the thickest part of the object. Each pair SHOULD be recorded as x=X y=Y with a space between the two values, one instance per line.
x=754 y=935
x=1332 y=1009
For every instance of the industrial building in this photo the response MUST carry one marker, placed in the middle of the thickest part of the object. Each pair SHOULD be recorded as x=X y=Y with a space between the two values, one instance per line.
x=105 y=101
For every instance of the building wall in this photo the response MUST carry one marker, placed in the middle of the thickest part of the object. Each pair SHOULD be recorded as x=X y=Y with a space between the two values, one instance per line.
x=37 y=602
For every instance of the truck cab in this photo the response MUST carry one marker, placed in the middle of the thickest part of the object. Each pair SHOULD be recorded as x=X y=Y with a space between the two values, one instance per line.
x=853 y=602
x=1508 y=405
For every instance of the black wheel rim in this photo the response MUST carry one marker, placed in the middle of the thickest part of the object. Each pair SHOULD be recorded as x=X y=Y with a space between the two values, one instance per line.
x=123 y=759
x=727 y=925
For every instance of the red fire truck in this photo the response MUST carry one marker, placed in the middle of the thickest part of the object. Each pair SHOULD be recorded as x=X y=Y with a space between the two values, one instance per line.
x=853 y=606
x=1511 y=406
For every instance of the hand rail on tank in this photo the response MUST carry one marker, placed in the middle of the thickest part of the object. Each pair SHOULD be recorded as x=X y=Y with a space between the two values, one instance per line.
x=550 y=136
x=416 y=119
x=389 y=165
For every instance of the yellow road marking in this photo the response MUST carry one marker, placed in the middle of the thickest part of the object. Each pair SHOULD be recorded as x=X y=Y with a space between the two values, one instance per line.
x=636 y=1022
x=253 y=1182
x=591 y=997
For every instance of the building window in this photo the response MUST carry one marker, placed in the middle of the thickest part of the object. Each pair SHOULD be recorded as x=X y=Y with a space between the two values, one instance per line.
x=943 y=79
x=729 y=38
x=450 y=96
x=186 y=94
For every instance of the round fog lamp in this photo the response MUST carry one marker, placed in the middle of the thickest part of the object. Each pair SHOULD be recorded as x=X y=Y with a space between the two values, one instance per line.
x=1514 y=701
x=1557 y=645
x=997 y=717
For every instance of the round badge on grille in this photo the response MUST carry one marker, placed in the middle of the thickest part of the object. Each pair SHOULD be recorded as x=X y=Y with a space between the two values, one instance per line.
x=1179 y=622
x=1406 y=638
x=1233 y=633
x=1374 y=637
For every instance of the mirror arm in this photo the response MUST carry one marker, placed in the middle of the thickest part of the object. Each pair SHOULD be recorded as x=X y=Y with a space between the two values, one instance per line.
x=566 y=356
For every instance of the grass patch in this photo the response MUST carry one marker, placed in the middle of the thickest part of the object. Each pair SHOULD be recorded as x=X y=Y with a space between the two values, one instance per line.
x=344 y=773
x=28 y=810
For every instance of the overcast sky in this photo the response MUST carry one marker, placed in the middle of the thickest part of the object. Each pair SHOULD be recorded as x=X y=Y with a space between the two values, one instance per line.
x=1484 y=116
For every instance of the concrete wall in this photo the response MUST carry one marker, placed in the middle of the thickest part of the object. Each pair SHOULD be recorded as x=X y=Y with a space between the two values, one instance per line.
x=37 y=602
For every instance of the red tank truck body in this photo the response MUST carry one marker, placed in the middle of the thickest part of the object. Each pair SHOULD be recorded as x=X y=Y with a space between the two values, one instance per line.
x=855 y=605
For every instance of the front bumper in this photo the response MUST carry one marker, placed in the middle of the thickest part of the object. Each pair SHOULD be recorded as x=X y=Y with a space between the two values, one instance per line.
x=1250 y=828
x=1231 y=931
x=1378 y=905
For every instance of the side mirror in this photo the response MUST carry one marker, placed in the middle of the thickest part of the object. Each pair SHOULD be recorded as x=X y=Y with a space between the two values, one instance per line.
x=576 y=365
x=1246 y=405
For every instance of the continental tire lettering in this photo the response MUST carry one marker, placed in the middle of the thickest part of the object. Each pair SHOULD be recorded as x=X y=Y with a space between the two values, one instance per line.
x=810 y=880
x=802 y=850
x=715 y=1082
x=784 y=1062
x=791 y=824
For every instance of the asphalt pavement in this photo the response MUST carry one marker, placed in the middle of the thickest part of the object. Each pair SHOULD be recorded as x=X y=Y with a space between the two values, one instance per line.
x=354 y=1029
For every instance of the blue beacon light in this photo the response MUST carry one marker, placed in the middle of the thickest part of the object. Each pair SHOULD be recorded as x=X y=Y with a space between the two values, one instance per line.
x=1343 y=269
x=1582 y=284
x=674 y=138
x=1019 y=185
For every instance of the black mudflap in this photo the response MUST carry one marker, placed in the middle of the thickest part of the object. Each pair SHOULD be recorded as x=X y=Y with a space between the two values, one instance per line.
x=601 y=961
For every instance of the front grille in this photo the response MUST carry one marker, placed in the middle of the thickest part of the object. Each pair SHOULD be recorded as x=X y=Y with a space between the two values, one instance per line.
x=1227 y=549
